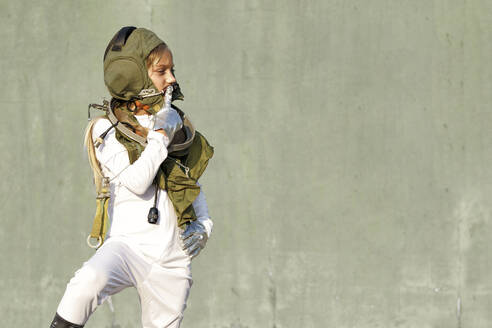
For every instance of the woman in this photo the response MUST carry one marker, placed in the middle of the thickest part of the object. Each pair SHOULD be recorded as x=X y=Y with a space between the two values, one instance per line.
x=150 y=251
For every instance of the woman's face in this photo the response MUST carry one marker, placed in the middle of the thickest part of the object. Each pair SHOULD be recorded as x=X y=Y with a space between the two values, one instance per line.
x=162 y=72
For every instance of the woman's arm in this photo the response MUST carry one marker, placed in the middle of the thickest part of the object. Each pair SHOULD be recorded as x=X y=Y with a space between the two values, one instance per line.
x=138 y=176
x=196 y=234
x=201 y=211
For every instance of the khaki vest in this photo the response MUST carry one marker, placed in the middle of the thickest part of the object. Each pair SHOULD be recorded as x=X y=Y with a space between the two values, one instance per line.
x=178 y=175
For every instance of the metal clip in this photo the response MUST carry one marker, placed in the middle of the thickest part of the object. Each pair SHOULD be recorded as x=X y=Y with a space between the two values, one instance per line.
x=184 y=167
x=105 y=183
x=103 y=107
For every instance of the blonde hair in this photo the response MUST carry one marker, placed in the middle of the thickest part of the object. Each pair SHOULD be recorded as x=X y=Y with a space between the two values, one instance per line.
x=155 y=55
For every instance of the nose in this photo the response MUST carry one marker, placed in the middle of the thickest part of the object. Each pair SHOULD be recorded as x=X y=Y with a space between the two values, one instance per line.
x=170 y=79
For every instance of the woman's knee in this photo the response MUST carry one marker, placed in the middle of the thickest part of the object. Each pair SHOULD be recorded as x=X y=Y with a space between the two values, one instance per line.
x=83 y=295
x=88 y=283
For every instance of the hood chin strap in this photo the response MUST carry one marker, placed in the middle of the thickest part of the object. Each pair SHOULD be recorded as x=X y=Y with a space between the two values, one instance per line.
x=147 y=93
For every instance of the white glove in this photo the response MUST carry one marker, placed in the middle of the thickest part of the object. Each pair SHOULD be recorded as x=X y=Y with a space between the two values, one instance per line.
x=167 y=118
x=194 y=238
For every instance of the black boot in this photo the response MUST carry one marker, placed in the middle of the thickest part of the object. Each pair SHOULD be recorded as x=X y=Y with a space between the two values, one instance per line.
x=59 y=322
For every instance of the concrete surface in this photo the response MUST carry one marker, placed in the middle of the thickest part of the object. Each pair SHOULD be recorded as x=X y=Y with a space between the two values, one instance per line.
x=351 y=182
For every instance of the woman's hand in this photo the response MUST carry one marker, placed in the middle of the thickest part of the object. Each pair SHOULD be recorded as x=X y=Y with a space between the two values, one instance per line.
x=194 y=238
x=167 y=118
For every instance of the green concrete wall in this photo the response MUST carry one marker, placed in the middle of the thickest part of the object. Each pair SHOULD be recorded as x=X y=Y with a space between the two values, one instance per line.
x=351 y=183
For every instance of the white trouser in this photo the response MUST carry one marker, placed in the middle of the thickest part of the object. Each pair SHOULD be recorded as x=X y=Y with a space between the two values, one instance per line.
x=163 y=284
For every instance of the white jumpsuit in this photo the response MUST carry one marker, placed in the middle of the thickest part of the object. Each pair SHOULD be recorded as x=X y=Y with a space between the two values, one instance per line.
x=146 y=256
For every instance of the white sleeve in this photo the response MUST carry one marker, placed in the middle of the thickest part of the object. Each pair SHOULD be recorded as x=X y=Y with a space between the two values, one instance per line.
x=138 y=176
x=201 y=211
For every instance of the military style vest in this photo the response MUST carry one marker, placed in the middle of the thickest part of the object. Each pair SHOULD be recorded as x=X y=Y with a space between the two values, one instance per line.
x=178 y=175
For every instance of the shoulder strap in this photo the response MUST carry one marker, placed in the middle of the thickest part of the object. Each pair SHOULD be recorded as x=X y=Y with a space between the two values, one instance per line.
x=91 y=153
x=101 y=182
x=124 y=130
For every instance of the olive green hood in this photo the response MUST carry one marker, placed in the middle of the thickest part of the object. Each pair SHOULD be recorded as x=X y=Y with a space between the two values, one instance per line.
x=125 y=71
